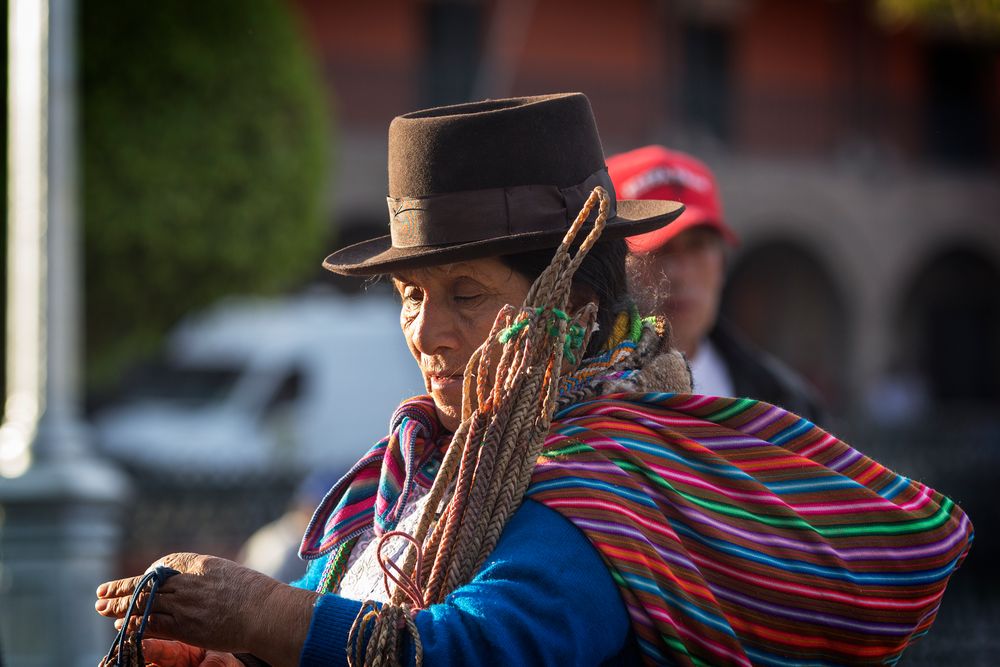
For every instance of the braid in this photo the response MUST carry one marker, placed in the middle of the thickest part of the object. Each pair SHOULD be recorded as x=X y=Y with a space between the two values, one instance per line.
x=488 y=467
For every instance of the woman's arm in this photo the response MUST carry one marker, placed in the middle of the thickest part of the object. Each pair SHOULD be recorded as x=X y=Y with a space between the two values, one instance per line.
x=543 y=597
x=217 y=604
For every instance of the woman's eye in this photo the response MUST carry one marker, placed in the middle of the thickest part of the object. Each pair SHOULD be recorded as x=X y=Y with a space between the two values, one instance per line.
x=468 y=299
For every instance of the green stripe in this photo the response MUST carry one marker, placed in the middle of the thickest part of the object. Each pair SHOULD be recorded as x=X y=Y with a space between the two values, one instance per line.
x=678 y=646
x=738 y=406
x=843 y=530
x=575 y=447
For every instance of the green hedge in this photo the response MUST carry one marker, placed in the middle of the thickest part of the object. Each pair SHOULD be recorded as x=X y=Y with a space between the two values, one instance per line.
x=204 y=149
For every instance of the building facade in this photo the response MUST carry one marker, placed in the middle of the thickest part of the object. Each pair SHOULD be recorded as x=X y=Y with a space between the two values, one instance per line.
x=858 y=160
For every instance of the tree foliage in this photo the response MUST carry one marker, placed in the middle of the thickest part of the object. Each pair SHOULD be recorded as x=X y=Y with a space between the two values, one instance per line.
x=204 y=151
x=978 y=16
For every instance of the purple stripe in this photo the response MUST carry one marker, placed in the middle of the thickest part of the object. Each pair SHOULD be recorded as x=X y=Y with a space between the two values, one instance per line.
x=847 y=554
x=803 y=546
x=611 y=528
x=639 y=615
x=605 y=466
x=844 y=460
x=829 y=620
x=758 y=538
x=905 y=553
x=758 y=423
x=730 y=442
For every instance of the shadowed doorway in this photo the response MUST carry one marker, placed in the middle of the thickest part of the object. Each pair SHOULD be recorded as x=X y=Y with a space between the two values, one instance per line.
x=782 y=297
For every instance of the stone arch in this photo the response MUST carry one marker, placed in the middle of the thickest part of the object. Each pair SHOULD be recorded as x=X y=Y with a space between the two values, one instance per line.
x=947 y=326
x=783 y=297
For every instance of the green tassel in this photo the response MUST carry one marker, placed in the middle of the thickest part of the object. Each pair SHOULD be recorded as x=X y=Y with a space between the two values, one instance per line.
x=573 y=338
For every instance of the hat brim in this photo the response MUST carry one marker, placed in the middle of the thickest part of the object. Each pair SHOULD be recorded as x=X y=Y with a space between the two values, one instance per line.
x=378 y=256
x=694 y=216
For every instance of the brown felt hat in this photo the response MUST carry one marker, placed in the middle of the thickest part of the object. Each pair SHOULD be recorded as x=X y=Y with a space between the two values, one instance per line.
x=492 y=178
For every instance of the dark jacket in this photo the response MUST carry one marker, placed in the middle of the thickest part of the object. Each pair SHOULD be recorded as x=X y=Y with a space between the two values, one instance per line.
x=756 y=374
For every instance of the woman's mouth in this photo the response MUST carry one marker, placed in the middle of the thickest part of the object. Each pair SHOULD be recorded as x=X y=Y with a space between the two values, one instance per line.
x=440 y=382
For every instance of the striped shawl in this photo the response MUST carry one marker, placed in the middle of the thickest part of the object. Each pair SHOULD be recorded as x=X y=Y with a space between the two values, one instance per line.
x=737 y=532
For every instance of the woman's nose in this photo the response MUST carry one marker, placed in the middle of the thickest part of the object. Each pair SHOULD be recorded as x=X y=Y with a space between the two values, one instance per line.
x=435 y=329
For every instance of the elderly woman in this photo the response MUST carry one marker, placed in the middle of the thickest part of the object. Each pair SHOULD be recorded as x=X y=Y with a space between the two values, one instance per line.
x=558 y=496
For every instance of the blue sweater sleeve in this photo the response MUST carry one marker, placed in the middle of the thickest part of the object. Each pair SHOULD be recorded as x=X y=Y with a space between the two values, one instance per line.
x=544 y=597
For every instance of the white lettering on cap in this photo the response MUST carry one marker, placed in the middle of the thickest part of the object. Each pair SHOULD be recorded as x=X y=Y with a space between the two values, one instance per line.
x=642 y=183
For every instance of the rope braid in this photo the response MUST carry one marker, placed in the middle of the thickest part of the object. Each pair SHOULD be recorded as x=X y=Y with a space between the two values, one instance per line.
x=509 y=395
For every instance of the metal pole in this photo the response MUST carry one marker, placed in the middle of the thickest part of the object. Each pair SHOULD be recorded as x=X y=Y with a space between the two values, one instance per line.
x=59 y=502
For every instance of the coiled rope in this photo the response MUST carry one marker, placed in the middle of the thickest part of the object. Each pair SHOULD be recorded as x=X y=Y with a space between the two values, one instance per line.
x=509 y=393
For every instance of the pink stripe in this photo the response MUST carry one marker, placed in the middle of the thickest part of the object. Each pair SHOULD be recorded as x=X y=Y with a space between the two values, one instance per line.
x=774 y=583
x=396 y=470
x=661 y=529
x=876 y=504
x=354 y=508
x=845 y=507
x=695 y=401
x=365 y=474
x=920 y=500
x=760 y=497
x=820 y=445
x=616 y=409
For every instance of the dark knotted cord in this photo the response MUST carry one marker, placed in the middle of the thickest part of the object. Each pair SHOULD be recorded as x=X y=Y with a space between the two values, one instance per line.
x=126 y=650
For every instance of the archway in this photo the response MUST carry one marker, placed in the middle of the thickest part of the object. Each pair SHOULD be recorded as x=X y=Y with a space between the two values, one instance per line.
x=780 y=295
x=948 y=327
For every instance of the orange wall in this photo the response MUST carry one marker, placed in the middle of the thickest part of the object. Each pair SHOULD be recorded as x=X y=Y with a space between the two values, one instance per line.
x=370 y=55
x=902 y=91
x=791 y=75
x=616 y=57
x=807 y=76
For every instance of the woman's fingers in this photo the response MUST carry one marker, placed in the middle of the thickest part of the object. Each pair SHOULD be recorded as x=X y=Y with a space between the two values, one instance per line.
x=116 y=607
x=118 y=588
x=163 y=653
x=113 y=597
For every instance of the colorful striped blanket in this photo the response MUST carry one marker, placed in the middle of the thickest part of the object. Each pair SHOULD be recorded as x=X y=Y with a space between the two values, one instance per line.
x=737 y=532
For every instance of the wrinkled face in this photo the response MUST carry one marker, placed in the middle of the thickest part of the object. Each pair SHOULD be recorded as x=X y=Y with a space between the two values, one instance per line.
x=683 y=281
x=446 y=313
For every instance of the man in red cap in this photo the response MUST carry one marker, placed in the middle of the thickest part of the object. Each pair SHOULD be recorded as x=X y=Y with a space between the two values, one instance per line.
x=679 y=270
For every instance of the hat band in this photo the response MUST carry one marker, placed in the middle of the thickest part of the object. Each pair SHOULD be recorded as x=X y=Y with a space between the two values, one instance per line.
x=478 y=215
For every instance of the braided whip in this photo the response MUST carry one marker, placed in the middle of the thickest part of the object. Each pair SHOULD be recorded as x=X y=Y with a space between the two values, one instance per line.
x=509 y=392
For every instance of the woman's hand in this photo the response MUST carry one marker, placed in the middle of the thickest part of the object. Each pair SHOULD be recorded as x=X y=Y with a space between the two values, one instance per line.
x=165 y=653
x=217 y=604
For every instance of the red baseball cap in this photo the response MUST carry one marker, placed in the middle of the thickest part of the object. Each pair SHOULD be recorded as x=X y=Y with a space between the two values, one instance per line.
x=654 y=172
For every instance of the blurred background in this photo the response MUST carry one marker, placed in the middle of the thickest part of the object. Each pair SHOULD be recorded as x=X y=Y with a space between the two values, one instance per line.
x=226 y=147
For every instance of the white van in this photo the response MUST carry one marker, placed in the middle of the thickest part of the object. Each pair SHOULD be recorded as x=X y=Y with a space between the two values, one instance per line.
x=303 y=382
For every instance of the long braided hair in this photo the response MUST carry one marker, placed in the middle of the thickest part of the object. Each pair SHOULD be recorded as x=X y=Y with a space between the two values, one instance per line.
x=510 y=390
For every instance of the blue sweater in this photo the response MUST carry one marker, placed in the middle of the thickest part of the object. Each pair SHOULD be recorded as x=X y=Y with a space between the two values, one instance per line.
x=544 y=597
